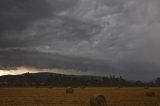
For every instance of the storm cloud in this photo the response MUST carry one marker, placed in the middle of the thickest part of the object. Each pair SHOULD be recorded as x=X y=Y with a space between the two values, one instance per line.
x=122 y=35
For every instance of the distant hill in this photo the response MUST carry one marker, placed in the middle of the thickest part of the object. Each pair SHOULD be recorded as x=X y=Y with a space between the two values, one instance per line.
x=59 y=80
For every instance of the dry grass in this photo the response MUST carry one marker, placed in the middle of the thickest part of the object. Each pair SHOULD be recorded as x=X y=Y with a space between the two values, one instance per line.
x=58 y=96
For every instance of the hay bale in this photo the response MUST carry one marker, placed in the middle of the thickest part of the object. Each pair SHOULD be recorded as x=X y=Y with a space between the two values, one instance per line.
x=69 y=90
x=146 y=87
x=98 y=100
x=150 y=94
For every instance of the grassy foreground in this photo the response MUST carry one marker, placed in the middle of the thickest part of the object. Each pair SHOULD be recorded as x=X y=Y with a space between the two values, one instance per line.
x=58 y=96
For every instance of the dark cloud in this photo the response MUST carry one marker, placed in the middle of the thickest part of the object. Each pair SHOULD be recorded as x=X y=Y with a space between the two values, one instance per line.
x=17 y=14
x=124 y=34
x=18 y=58
x=61 y=5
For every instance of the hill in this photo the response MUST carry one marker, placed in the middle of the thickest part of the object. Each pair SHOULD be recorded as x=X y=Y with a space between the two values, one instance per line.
x=60 y=80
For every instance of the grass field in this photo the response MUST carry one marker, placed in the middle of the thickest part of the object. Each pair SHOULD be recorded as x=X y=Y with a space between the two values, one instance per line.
x=81 y=97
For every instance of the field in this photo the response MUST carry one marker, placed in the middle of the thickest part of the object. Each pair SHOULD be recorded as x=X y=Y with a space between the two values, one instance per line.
x=58 y=97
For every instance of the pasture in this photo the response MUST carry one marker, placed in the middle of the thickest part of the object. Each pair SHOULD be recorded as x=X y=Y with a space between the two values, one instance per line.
x=81 y=96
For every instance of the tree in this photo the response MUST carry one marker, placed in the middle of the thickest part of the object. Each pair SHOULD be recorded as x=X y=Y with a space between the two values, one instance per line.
x=157 y=81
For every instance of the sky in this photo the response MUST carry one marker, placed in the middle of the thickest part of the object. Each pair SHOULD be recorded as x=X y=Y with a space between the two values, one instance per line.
x=89 y=37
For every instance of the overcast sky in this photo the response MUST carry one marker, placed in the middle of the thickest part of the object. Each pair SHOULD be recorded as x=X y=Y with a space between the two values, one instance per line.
x=99 y=37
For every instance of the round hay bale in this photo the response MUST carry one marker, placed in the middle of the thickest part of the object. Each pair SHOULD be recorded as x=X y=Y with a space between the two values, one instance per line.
x=98 y=100
x=69 y=90
x=150 y=94
x=146 y=87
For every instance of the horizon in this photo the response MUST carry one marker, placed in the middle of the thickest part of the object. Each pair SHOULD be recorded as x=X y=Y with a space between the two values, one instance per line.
x=31 y=70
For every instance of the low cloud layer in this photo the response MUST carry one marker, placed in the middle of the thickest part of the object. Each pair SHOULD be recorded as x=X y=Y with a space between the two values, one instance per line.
x=124 y=34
